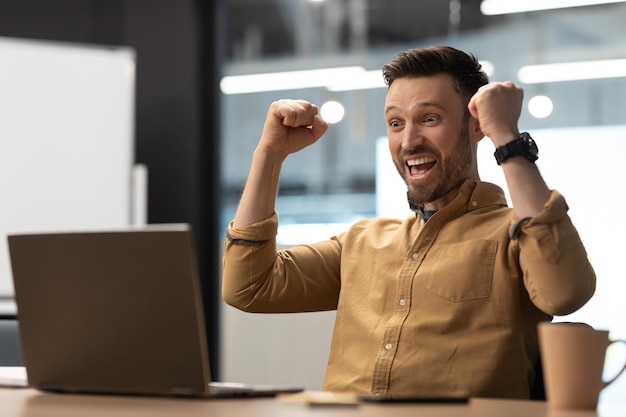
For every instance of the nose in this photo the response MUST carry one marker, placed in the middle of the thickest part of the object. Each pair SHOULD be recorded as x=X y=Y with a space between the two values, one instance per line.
x=412 y=137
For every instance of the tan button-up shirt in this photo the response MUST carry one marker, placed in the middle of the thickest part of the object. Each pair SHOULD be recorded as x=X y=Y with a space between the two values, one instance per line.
x=446 y=307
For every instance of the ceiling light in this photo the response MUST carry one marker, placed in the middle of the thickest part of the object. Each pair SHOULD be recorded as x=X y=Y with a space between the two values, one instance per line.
x=571 y=71
x=540 y=106
x=333 y=79
x=288 y=80
x=332 y=112
x=496 y=7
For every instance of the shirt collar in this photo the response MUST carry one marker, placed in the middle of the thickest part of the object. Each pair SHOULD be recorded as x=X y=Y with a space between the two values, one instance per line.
x=477 y=194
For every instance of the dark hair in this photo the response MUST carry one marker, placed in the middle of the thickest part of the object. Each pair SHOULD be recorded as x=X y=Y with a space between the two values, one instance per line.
x=423 y=62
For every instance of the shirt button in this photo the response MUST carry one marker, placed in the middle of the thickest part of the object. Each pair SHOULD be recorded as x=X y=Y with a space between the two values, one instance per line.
x=402 y=302
x=415 y=255
x=388 y=346
x=474 y=203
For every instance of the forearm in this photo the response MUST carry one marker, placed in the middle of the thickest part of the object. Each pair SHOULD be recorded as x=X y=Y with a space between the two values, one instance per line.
x=258 y=199
x=290 y=126
x=497 y=108
x=527 y=189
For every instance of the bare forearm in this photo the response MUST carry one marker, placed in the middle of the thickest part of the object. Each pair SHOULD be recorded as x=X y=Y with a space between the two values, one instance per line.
x=259 y=195
x=497 y=108
x=290 y=126
x=527 y=188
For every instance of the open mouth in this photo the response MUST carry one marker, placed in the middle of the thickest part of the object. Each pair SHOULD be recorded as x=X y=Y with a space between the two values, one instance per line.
x=420 y=166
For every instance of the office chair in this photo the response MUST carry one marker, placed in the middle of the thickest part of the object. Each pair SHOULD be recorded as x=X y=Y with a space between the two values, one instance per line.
x=538 y=390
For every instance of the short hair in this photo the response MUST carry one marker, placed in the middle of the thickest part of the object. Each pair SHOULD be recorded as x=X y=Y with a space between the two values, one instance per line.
x=423 y=62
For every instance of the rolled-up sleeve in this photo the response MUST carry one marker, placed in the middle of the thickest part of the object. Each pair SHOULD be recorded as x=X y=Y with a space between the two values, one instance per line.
x=258 y=278
x=553 y=259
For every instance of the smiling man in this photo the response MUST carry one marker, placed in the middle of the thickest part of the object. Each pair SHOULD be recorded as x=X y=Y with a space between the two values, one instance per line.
x=447 y=301
x=429 y=137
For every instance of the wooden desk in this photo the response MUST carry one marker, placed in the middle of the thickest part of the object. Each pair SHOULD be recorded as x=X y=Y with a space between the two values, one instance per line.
x=31 y=403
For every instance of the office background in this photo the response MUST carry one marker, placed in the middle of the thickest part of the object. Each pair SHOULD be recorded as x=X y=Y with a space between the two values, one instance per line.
x=176 y=102
x=197 y=140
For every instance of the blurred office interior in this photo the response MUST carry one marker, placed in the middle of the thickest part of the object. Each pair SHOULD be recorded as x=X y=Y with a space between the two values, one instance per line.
x=195 y=131
x=335 y=180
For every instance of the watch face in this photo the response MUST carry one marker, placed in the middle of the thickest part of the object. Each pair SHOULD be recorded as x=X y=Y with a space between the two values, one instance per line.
x=531 y=152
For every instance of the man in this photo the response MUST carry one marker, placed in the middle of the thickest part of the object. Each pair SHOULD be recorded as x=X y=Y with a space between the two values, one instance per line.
x=447 y=301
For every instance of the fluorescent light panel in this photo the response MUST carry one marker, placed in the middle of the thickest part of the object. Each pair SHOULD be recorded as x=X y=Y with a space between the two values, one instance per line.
x=497 y=7
x=361 y=81
x=288 y=80
x=333 y=79
x=572 y=71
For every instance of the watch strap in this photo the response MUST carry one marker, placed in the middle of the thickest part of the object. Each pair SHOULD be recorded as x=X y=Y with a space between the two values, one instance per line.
x=524 y=145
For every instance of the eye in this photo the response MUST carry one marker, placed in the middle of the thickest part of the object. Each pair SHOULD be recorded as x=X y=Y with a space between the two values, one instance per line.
x=431 y=118
x=394 y=124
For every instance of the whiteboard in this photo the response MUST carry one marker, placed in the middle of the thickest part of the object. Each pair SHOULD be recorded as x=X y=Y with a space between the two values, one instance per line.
x=66 y=139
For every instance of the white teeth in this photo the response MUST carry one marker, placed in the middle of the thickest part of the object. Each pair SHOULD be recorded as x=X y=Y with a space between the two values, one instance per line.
x=420 y=161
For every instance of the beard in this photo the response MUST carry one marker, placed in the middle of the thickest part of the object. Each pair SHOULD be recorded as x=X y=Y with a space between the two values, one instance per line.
x=452 y=171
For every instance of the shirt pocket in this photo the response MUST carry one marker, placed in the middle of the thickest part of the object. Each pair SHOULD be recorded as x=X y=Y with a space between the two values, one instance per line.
x=463 y=271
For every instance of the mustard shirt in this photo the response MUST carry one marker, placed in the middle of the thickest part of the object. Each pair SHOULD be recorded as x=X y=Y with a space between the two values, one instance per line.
x=446 y=307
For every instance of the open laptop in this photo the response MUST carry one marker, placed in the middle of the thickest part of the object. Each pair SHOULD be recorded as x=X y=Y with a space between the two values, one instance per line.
x=115 y=312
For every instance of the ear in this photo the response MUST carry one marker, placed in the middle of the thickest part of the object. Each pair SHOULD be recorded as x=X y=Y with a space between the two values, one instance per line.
x=475 y=132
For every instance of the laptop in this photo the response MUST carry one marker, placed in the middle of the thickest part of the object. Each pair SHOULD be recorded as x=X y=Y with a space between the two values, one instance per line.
x=116 y=312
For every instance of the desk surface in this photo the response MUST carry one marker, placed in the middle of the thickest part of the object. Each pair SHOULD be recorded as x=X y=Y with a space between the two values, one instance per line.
x=31 y=403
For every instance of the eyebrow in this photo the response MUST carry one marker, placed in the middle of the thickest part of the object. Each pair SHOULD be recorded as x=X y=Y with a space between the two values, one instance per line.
x=419 y=105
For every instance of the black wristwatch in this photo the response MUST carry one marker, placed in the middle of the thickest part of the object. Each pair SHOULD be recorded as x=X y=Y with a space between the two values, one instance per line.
x=523 y=145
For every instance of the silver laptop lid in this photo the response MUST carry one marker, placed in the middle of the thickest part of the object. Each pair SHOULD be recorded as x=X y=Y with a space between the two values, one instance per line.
x=116 y=311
